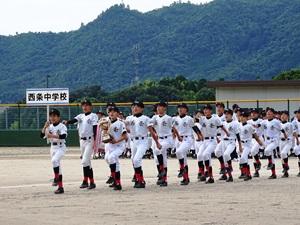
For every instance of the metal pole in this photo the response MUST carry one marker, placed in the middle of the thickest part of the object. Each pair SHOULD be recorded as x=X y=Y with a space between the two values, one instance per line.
x=19 y=115
x=257 y=104
x=227 y=104
x=6 y=119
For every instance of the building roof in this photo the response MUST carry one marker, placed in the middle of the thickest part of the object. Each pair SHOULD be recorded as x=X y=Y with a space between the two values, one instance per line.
x=254 y=83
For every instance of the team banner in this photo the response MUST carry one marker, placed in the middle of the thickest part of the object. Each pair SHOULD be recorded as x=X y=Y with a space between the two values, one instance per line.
x=47 y=96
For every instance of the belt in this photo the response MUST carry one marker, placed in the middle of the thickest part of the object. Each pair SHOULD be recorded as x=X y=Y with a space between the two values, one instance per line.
x=56 y=143
x=85 y=138
x=138 y=138
x=164 y=137
x=283 y=139
x=184 y=136
x=245 y=141
x=208 y=138
x=228 y=139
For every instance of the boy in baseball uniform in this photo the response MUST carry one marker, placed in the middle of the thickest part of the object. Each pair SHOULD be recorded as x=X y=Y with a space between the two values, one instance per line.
x=210 y=125
x=233 y=128
x=286 y=144
x=272 y=131
x=140 y=143
x=56 y=133
x=247 y=133
x=161 y=130
x=115 y=148
x=87 y=127
x=185 y=126
x=256 y=122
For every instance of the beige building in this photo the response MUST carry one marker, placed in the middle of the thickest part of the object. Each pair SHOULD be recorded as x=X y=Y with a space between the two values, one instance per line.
x=279 y=94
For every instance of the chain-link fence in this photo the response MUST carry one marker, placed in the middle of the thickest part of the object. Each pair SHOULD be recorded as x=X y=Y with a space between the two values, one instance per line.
x=22 y=117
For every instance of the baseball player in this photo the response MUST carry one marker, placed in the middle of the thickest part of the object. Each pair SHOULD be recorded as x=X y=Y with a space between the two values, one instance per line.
x=296 y=124
x=272 y=129
x=247 y=133
x=286 y=144
x=115 y=148
x=219 y=151
x=210 y=125
x=56 y=133
x=256 y=122
x=185 y=125
x=229 y=143
x=139 y=137
x=87 y=127
x=161 y=131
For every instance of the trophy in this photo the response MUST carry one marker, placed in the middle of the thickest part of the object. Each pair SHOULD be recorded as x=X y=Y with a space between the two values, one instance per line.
x=104 y=124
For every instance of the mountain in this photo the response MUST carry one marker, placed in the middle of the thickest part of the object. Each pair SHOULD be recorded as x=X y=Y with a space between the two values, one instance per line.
x=227 y=39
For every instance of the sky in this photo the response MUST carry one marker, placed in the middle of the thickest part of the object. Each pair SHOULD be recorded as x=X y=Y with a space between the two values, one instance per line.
x=62 y=15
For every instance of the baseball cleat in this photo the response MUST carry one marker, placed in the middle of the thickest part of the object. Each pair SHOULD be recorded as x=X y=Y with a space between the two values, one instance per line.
x=140 y=185
x=118 y=187
x=256 y=174
x=242 y=176
x=285 y=175
x=110 y=180
x=92 y=186
x=273 y=176
x=199 y=176
x=133 y=179
x=185 y=182
x=210 y=181
x=258 y=166
x=298 y=175
x=223 y=177
x=202 y=178
x=248 y=178
x=164 y=184
x=229 y=179
x=84 y=185
x=159 y=181
x=60 y=190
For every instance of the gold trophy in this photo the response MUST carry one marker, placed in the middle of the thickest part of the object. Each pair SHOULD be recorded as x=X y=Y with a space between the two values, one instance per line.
x=104 y=124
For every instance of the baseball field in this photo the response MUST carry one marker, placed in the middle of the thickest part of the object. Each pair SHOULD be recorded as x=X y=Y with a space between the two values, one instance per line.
x=26 y=195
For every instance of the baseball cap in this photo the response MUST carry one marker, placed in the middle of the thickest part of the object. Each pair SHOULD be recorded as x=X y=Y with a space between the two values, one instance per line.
x=183 y=105
x=162 y=103
x=235 y=106
x=113 y=108
x=54 y=112
x=229 y=111
x=285 y=112
x=208 y=106
x=138 y=103
x=220 y=104
x=86 y=102
x=254 y=110
x=245 y=113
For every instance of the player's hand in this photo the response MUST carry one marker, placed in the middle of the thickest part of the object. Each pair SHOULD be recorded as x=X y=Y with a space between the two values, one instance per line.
x=113 y=141
x=158 y=145
x=47 y=124
x=65 y=122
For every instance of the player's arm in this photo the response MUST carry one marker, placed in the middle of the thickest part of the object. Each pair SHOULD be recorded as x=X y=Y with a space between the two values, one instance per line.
x=257 y=139
x=224 y=129
x=154 y=136
x=175 y=131
x=238 y=137
x=72 y=121
x=122 y=138
x=198 y=132
x=43 y=131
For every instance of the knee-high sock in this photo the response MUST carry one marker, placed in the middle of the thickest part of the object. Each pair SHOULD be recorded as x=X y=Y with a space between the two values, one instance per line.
x=86 y=171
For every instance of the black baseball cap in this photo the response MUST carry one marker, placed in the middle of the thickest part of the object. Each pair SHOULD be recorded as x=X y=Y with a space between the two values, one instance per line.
x=220 y=104
x=162 y=103
x=285 y=112
x=229 y=111
x=235 y=106
x=297 y=111
x=207 y=106
x=254 y=110
x=270 y=109
x=245 y=113
x=54 y=112
x=113 y=108
x=138 y=103
x=183 y=105
x=86 y=102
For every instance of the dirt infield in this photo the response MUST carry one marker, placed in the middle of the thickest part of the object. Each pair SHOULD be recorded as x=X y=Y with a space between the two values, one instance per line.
x=26 y=196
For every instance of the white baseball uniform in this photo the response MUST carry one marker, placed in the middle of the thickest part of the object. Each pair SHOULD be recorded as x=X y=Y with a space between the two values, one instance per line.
x=246 y=133
x=233 y=128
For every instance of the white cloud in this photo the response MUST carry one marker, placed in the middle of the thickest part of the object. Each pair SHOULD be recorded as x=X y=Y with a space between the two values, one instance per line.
x=62 y=15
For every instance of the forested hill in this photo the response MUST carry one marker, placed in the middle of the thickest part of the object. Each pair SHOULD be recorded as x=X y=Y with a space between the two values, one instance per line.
x=231 y=39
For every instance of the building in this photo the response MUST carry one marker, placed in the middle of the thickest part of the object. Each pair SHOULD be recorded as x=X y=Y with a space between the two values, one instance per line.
x=279 y=94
